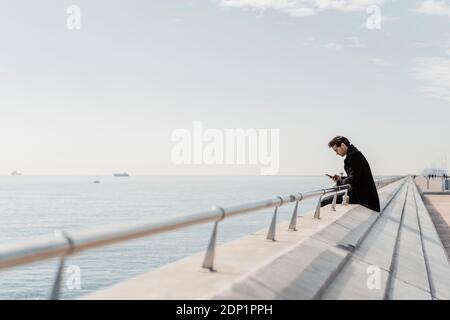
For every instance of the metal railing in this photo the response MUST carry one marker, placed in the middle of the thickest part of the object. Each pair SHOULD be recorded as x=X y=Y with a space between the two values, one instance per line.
x=64 y=244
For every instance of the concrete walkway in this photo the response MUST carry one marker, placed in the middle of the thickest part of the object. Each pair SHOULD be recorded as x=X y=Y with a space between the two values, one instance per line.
x=353 y=253
x=431 y=185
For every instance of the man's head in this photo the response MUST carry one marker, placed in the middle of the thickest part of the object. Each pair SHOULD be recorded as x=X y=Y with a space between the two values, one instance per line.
x=340 y=145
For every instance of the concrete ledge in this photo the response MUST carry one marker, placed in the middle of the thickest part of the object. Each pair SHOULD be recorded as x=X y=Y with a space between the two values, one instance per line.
x=404 y=245
x=312 y=266
x=303 y=261
x=235 y=260
x=298 y=274
x=376 y=250
x=410 y=271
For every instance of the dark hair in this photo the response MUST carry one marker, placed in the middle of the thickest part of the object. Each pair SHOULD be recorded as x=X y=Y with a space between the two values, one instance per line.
x=336 y=141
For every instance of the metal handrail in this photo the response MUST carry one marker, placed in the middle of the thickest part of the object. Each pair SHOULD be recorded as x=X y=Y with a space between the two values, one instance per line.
x=64 y=244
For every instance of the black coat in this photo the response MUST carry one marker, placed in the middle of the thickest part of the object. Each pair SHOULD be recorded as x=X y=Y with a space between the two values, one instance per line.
x=363 y=190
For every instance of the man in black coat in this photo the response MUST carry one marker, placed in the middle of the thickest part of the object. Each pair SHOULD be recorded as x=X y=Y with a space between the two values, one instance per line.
x=359 y=176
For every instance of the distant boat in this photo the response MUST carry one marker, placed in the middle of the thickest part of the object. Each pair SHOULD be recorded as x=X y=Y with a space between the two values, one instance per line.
x=15 y=173
x=96 y=181
x=123 y=174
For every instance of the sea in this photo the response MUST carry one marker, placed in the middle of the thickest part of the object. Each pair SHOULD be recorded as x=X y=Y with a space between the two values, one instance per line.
x=32 y=206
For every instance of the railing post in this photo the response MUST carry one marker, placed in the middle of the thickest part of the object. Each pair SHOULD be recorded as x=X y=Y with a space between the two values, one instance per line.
x=293 y=223
x=319 y=203
x=345 y=198
x=273 y=224
x=333 y=204
x=208 y=262
x=56 y=290
x=54 y=295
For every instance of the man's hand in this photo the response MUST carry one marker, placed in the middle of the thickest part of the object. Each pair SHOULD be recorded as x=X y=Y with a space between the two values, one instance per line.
x=336 y=178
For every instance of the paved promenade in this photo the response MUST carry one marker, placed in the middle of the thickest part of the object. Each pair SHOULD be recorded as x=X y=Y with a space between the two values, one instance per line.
x=353 y=253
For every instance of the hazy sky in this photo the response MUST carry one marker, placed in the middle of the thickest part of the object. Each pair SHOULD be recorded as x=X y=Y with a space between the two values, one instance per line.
x=106 y=98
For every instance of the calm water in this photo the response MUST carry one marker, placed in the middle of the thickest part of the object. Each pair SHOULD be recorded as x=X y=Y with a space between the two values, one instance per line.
x=33 y=206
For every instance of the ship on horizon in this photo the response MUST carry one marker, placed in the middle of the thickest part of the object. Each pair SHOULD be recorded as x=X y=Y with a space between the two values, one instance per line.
x=121 y=174
x=16 y=173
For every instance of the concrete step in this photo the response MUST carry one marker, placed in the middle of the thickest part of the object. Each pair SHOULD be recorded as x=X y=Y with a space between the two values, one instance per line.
x=330 y=258
x=348 y=231
x=375 y=251
x=408 y=267
x=305 y=271
x=297 y=274
x=404 y=247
